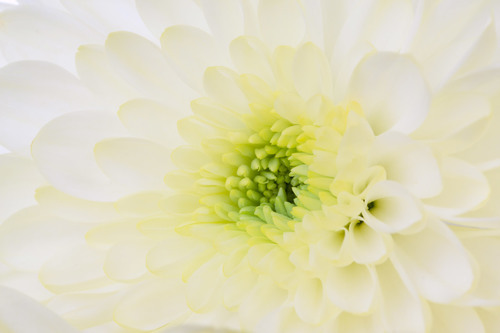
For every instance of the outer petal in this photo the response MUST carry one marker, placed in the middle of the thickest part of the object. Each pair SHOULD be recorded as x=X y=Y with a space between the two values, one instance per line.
x=455 y=319
x=33 y=93
x=391 y=91
x=435 y=262
x=41 y=33
x=393 y=208
x=20 y=314
x=281 y=22
x=401 y=310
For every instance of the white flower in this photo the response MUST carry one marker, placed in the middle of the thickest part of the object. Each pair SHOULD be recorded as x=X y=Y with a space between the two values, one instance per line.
x=269 y=166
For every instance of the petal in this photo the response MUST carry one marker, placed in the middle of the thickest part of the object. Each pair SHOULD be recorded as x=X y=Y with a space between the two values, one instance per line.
x=455 y=319
x=225 y=19
x=126 y=261
x=483 y=250
x=367 y=245
x=42 y=33
x=402 y=311
x=310 y=301
x=142 y=65
x=390 y=208
x=160 y=14
x=74 y=209
x=33 y=93
x=311 y=72
x=149 y=119
x=95 y=71
x=407 y=162
x=77 y=268
x=351 y=288
x=19 y=180
x=63 y=152
x=435 y=262
x=152 y=305
x=221 y=84
x=16 y=307
x=190 y=51
x=351 y=323
x=464 y=188
x=135 y=162
x=450 y=126
x=281 y=22
x=199 y=297
x=32 y=236
x=251 y=55
x=391 y=91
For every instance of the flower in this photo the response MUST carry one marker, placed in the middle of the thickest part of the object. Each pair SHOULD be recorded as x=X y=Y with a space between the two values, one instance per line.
x=267 y=166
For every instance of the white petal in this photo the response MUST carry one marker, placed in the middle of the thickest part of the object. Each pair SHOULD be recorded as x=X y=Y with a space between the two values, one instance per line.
x=190 y=51
x=367 y=245
x=152 y=304
x=310 y=301
x=407 y=162
x=42 y=33
x=152 y=120
x=32 y=236
x=18 y=183
x=281 y=22
x=142 y=65
x=95 y=70
x=77 y=268
x=221 y=84
x=483 y=250
x=455 y=319
x=402 y=311
x=225 y=19
x=490 y=319
x=464 y=188
x=135 y=162
x=394 y=209
x=126 y=261
x=391 y=92
x=31 y=94
x=160 y=14
x=20 y=314
x=107 y=16
x=74 y=209
x=63 y=152
x=199 y=297
x=351 y=288
x=450 y=126
x=311 y=72
x=251 y=55
x=435 y=262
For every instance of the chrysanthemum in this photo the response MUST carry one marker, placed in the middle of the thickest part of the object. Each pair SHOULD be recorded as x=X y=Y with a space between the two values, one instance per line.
x=256 y=166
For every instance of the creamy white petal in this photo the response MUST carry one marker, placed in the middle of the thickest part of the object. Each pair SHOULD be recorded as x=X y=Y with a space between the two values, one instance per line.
x=281 y=22
x=191 y=51
x=70 y=141
x=142 y=65
x=407 y=162
x=41 y=33
x=77 y=268
x=137 y=163
x=126 y=261
x=464 y=188
x=310 y=301
x=402 y=310
x=33 y=93
x=451 y=319
x=19 y=180
x=152 y=305
x=311 y=72
x=391 y=91
x=31 y=236
x=392 y=208
x=160 y=14
x=225 y=19
x=435 y=262
x=366 y=244
x=21 y=314
x=251 y=55
x=152 y=120
x=352 y=288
